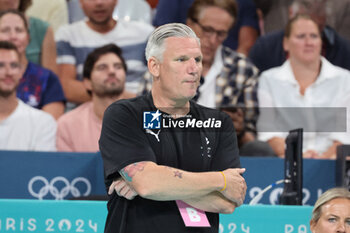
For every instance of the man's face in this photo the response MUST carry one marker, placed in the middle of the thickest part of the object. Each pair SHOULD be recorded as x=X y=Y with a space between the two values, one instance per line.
x=304 y=43
x=10 y=72
x=335 y=217
x=212 y=28
x=107 y=76
x=12 y=29
x=98 y=11
x=177 y=75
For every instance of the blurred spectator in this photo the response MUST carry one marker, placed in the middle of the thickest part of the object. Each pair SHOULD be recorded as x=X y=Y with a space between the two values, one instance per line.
x=153 y=3
x=229 y=79
x=76 y=40
x=141 y=10
x=42 y=48
x=133 y=10
x=21 y=126
x=104 y=78
x=54 y=12
x=275 y=17
x=39 y=87
x=306 y=81
x=241 y=37
x=274 y=13
x=268 y=50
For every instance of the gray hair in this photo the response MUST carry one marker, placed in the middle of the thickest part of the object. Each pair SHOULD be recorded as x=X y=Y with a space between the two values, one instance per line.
x=155 y=45
x=327 y=196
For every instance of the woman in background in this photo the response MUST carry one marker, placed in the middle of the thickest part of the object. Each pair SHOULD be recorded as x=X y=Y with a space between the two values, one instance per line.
x=39 y=87
x=298 y=92
x=331 y=213
x=42 y=48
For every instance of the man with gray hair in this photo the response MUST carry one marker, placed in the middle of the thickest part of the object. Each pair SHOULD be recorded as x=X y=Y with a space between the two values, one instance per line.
x=167 y=159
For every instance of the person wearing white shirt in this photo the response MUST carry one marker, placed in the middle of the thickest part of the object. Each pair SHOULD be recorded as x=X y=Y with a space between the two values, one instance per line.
x=306 y=82
x=21 y=126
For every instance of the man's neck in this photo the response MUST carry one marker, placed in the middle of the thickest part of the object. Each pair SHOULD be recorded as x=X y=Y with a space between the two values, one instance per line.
x=171 y=106
x=7 y=106
x=101 y=103
x=102 y=28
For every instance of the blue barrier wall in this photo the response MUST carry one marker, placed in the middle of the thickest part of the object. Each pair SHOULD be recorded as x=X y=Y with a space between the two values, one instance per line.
x=54 y=175
x=33 y=216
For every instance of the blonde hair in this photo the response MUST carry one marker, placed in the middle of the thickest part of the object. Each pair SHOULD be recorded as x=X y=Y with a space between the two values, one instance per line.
x=325 y=198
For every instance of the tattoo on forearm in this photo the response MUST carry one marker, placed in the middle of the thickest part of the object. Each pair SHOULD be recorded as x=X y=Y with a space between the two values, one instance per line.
x=178 y=174
x=130 y=171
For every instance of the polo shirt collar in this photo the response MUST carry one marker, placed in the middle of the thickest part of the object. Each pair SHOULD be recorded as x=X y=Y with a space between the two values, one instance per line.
x=328 y=71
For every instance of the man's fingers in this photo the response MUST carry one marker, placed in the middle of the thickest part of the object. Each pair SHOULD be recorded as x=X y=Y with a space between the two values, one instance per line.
x=114 y=185
x=131 y=194
x=123 y=191
x=111 y=187
x=240 y=170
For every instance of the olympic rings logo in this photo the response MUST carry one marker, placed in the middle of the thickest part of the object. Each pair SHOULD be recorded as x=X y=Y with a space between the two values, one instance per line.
x=50 y=187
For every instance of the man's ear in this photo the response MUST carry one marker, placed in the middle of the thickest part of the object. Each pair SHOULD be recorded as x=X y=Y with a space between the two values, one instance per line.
x=153 y=66
x=87 y=84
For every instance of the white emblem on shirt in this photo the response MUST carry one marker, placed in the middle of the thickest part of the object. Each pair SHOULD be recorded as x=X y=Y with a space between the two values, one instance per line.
x=154 y=134
x=207 y=147
x=156 y=115
x=32 y=101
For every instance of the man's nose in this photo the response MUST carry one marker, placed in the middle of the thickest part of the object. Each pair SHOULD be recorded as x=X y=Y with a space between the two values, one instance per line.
x=111 y=69
x=193 y=66
x=9 y=70
x=213 y=38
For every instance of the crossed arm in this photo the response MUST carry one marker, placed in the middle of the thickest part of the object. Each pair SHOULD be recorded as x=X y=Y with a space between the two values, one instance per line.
x=203 y=190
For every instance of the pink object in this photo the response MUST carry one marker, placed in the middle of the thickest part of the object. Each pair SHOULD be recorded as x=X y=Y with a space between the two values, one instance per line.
x=79 y=130
x=192 y=217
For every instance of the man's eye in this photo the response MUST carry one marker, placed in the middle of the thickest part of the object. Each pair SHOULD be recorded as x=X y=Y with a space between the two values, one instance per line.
x=15 y=65
x=198 y=59
x=101 y=67
x=181 y=59
x=118 y=66
x=208 y=29
x=331 y=219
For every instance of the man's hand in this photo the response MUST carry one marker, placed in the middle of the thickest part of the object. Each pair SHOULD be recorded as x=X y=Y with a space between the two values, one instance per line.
x=122 y=189
x=236 y=186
